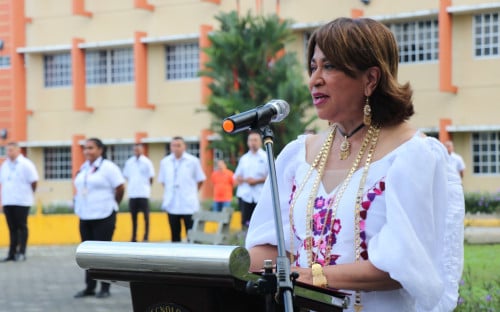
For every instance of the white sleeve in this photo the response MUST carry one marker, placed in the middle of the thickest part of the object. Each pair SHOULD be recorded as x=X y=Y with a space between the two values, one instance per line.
x=415 y=246
x=161 y=172
x=262 y=229
x=32 y=172
x=200 y=174
x=126 y=169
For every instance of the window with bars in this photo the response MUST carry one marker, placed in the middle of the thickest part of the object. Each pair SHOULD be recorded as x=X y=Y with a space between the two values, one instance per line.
x=418 y=41
x=182 y=61
x=4 y=61
x=57 y=70
x=486 y=153
x=119 y=153
x=109 y=66
x=57 y=163
x=486 y=34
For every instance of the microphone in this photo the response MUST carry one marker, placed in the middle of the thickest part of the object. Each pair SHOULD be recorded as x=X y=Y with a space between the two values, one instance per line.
x=272 y=111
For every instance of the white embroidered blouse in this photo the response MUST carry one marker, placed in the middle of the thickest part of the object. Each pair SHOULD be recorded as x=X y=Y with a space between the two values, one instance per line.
x=411 y=223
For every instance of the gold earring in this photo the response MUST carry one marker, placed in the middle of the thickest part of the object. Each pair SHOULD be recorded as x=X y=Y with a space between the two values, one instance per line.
x=367 y=113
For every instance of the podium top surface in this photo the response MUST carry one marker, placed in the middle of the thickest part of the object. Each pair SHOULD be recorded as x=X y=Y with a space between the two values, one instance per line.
x=164 y=257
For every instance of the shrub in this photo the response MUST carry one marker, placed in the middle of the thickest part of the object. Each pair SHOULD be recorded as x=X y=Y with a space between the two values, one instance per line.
x=478 y=296
x=476 y=202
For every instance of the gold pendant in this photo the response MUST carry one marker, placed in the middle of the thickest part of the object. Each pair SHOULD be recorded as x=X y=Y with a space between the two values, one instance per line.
x=318 y=277
x=345 y=149
x=358 y=307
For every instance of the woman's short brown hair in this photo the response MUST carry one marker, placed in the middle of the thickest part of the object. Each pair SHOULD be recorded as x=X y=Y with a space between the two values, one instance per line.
x=353 y=46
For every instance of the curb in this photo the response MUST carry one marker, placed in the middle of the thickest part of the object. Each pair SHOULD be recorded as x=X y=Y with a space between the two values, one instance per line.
x=486 y=222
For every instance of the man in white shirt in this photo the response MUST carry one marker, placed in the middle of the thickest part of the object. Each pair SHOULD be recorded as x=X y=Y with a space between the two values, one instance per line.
x=18 y=178
x=250 y=175
x=456 y=160
x=181 y=176
x=139 y=173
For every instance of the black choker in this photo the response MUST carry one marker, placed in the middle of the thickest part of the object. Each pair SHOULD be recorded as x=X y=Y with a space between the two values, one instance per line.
x=345 y=147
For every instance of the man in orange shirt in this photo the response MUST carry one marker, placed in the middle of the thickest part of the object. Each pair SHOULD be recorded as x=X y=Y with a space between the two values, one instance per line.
x=222 y=179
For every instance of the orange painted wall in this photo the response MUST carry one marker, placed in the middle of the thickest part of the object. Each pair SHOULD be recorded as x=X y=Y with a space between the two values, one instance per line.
x=6 y=73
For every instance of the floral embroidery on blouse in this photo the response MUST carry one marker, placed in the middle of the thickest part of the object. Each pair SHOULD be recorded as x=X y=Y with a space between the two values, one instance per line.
x=325 y=232
x=368 y=198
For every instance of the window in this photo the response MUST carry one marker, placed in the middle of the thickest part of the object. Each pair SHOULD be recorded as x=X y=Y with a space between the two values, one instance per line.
x=57 y=163
x=120 y=153
x=486 y=152
x=109 y=66
x=4 y=61
x=57 y=70
x=486 y=35
x=182 y=61
x=417 y=41
x=193 y=148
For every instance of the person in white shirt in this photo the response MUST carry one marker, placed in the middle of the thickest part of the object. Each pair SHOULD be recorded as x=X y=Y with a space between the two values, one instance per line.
x=18 y=178
x=457 y=162
x=181 y=176
x=139 y=173
x=99 y=190
x=250 y=175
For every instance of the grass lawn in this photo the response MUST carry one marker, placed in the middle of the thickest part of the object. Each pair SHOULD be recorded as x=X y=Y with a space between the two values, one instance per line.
x=480 y=289
x=483 y=261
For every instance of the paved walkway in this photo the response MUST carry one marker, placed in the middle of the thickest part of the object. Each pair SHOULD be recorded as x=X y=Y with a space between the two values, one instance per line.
x=47 y=281
x=50 y=277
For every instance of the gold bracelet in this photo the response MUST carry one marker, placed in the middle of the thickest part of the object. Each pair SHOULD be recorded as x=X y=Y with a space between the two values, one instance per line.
x=318 y=276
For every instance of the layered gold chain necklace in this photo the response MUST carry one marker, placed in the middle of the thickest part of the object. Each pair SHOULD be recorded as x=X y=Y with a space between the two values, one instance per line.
x=319 y=163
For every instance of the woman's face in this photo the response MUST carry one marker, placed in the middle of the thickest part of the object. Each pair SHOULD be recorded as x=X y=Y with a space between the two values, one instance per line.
x=91 y=151
x=336 y=96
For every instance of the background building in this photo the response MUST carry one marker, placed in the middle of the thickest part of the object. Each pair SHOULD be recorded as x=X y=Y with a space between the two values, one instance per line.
x=126 y=71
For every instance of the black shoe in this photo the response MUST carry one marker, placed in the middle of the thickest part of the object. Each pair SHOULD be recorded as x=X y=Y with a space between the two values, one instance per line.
x=20 y=257
x=103 y=294
x=9 y=258
x=84 y=293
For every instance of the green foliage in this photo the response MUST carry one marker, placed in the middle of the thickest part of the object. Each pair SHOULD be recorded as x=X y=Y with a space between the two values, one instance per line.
x=246 y=73
x=480 y=284
x=476 y=202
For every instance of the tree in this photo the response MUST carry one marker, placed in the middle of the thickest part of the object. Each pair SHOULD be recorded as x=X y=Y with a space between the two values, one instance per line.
x=247 y=70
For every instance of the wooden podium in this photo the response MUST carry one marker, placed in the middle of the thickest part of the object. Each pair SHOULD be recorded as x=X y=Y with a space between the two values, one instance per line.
x=174 y=277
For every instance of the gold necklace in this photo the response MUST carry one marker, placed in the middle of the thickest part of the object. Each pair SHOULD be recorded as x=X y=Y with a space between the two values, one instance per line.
x=336 y=201
x=319 y=163
x=345 y=147
x=357 y=208
x=370 y=138
x=322 y=155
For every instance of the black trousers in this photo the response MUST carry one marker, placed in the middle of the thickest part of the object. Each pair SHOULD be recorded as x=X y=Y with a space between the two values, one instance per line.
x=135 y=206
x=175 y=225
x=246 y=211
x=17 y=221
x=97 y=230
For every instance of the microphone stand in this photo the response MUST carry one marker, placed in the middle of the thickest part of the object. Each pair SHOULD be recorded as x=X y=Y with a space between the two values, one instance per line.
x=284 y=281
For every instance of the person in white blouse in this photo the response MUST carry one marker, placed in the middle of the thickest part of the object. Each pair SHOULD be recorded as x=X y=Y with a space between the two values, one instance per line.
x=370 y=205
x=99 y=188
x=181 y=176
x=18 y=179
x=249 y=176
x=139 y=173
